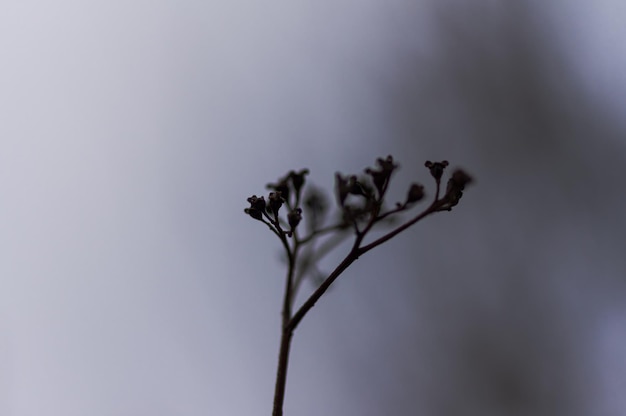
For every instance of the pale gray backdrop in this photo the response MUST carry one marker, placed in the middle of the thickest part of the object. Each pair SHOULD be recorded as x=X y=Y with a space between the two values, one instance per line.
x=132 y=132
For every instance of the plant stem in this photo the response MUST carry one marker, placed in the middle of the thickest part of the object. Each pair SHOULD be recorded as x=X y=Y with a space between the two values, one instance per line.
x=286 y=333
x=290 y=322
x=281 y=374
x=430 y=210
x=310 y=302
x=352 y=256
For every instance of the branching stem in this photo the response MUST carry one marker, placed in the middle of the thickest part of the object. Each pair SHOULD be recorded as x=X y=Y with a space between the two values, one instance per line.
x=362 y=220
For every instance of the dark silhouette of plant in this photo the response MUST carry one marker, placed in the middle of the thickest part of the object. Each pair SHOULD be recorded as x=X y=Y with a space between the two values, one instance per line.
x=361 y=203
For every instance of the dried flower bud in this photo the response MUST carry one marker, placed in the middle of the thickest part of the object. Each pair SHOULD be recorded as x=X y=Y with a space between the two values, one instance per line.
x=297 y=179
x=355 y=187
x=257 y=205
x=281 y=186
x=454 y=189
x=461 y=178
x=275 y=202
x=294 y=218
x=416 y=193
x=254 y=213
x=387 y=164
x=436 y=168
x=381 y=177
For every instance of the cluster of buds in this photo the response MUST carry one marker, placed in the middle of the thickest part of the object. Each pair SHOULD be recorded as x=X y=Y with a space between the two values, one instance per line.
x=370 y=191
x=382 y=175
x=360 y=199
x=350 y=185
x=287 y=191
x=290 y=186
x=454 y=188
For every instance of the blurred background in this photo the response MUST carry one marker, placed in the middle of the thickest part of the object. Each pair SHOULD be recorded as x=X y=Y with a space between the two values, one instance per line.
x=132 y=133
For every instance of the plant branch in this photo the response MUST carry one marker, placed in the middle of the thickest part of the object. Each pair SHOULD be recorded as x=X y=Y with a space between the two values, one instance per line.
x=319 y=253
x=352 y=256
x=391 y=212
x=434 y=207
x=310 y=302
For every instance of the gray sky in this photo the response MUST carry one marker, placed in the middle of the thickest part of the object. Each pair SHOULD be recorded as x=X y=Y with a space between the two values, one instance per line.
x=131 y=134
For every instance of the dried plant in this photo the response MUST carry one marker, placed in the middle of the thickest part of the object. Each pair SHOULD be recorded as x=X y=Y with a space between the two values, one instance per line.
x=361 y=203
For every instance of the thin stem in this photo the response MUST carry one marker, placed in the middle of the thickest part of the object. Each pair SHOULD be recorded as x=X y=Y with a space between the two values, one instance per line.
x=388 y=213
x=281 y=375
x=290 y=323
x=270 y=226
x=286 y=333
x=310 y=302
x=314 y=256
x=434 y=207
x=370 y=223
x=352 y=256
